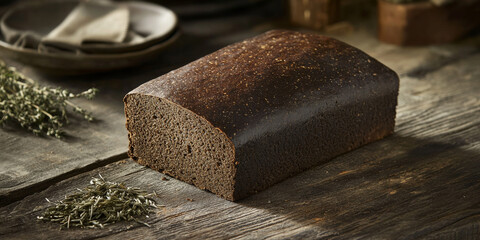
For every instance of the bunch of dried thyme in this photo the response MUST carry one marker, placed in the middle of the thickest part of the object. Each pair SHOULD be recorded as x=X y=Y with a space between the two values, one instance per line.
x=100 y=204
x=41 y=110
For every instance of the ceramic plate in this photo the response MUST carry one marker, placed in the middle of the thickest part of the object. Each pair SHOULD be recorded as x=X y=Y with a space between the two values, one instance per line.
x=159 y=24
x=151 y=21
x=87 y=63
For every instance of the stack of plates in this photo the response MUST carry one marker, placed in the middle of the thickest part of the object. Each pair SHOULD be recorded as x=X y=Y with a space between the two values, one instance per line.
x=157 y=24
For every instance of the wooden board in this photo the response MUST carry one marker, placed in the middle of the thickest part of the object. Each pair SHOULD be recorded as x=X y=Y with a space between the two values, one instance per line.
x=423 y=23
x=422 y=182
x=314 y=14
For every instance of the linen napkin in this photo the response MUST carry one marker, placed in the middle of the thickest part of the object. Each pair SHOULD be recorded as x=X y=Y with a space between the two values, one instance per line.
x=90 y=22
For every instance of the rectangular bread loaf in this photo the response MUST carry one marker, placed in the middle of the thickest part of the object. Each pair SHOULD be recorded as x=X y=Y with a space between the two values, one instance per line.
x=256 y=112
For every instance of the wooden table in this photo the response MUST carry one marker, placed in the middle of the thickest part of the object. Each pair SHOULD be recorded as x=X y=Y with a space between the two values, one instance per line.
x=421 y=182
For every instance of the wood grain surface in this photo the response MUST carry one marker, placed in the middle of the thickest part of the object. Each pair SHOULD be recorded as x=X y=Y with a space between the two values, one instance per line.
x=29 y=163
x=423 y=182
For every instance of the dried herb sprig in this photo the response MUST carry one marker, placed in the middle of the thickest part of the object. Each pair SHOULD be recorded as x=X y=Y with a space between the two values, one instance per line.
x=100 y=204
x=40 y=110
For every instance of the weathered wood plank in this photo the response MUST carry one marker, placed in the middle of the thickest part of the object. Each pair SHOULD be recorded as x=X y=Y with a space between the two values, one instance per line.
x=29 y=162
x=422 y=182
x=206 y=211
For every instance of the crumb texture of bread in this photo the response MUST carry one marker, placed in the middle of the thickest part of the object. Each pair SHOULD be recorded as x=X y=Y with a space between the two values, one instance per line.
x=174 y=140
x=259 y=111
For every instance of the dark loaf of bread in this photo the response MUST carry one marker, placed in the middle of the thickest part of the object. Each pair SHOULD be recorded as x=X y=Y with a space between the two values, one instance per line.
x=256 y=112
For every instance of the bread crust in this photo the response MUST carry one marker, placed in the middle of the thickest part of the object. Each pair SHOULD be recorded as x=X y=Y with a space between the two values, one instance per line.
x=286 y=100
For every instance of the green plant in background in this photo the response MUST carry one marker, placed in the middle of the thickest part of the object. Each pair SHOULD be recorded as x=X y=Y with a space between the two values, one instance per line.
x=100 y=204
x=41 y=110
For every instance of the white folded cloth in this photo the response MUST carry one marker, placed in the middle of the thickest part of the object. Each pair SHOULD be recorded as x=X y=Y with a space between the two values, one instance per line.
x=89 y=23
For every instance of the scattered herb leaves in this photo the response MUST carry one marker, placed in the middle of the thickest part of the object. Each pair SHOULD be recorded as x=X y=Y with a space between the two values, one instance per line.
x=100 y=204
x=40 y=110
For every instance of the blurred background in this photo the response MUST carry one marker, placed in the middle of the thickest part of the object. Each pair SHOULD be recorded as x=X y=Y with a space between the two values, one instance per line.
x=208 y=25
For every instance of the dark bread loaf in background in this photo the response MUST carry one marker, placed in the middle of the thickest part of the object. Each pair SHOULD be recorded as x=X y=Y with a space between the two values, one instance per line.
x=256 y=112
